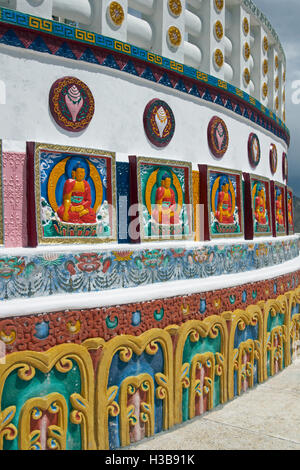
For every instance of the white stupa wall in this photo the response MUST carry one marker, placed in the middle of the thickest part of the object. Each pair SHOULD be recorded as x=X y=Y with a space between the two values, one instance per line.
x=117 y=125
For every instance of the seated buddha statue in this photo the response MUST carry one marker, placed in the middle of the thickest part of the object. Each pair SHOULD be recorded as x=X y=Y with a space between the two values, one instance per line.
x=224 y=213
x=77 y=200
x=165 y=209
x=279 y=211
x=260 y=206
x=290 y=210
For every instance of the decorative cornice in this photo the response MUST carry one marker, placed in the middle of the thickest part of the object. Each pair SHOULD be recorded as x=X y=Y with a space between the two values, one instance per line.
x=77 y=271
x=66 y=41
x=250 y=6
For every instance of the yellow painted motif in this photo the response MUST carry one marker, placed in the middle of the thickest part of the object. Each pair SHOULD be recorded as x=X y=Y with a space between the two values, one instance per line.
x=240 y=319
x=125 y=346
x=49 y=437
x=195 y=330
x=60 y=357
x=140 y=411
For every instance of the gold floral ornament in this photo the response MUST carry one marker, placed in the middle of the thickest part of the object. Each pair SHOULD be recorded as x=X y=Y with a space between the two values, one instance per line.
x=283 y=96
x=247 y=76
x=283 y=116
x=265 y=66
x=116 y=13
x=174 y=36
x=277 y=103
x=219 y=4
x=219 y=58
x=247 y=50
x=175 y=7
x=265 y=44
x=265 y=90
x=276 y=62
x=277 y=83
x=219 y=31
x=246 y=27
x=284 y=76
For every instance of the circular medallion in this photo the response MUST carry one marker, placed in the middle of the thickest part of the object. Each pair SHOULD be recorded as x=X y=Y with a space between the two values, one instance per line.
x=174 y=36
x=253 y=150
x=219 y=31
x=246 y=28
x=265 y=90
x=219 y=4
x=217 y=135
x=247 y=76
x=247 y=51
x=273 y=159
x=175 y=7
x=265 y=67
x=285 y=169
x=219 y=58
x=71 y=104
x=159 y=123
x=265 y=44
x=116 y=13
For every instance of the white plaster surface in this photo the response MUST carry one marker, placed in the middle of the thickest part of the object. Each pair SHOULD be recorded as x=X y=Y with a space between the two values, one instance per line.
x=182 y=244
x=266 y=417
x=155 y=291
x=117 y=125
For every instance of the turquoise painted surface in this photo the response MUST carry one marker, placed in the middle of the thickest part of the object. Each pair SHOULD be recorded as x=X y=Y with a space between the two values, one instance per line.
x=272 y=323
x=190 y=350
x=16 y=392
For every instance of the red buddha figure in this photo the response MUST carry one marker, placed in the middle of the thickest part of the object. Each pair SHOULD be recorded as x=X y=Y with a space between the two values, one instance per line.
x=224 y=206
x=260 y=206
x=290 y=210
x=165 y=210
x=77 y=200
x=279 y=212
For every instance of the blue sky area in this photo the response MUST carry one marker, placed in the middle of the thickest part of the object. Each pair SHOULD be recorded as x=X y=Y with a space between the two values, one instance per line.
x=284 y=15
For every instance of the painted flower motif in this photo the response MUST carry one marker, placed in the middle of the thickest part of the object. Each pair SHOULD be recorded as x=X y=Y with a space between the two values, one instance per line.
x=51 y=259
x=201 y=256
x=237 y=252
x=123 y=255
x=262 y=250
x=74 y=327
x=217 y=303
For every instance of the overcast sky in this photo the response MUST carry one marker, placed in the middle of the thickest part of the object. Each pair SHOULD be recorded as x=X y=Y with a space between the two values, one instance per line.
x=284 y=15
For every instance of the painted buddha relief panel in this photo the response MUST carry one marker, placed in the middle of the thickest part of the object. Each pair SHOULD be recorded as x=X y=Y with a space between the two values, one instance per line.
x=165 y=194
x=261 y=206
x=290 y=211
x=280 y=211
x=225 y=201
x=74 y=194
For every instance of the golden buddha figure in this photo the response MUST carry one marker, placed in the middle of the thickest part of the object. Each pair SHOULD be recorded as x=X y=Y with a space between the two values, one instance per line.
x=77 y=200
x=260 y=206
x=224 y=212
x=165 y=210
